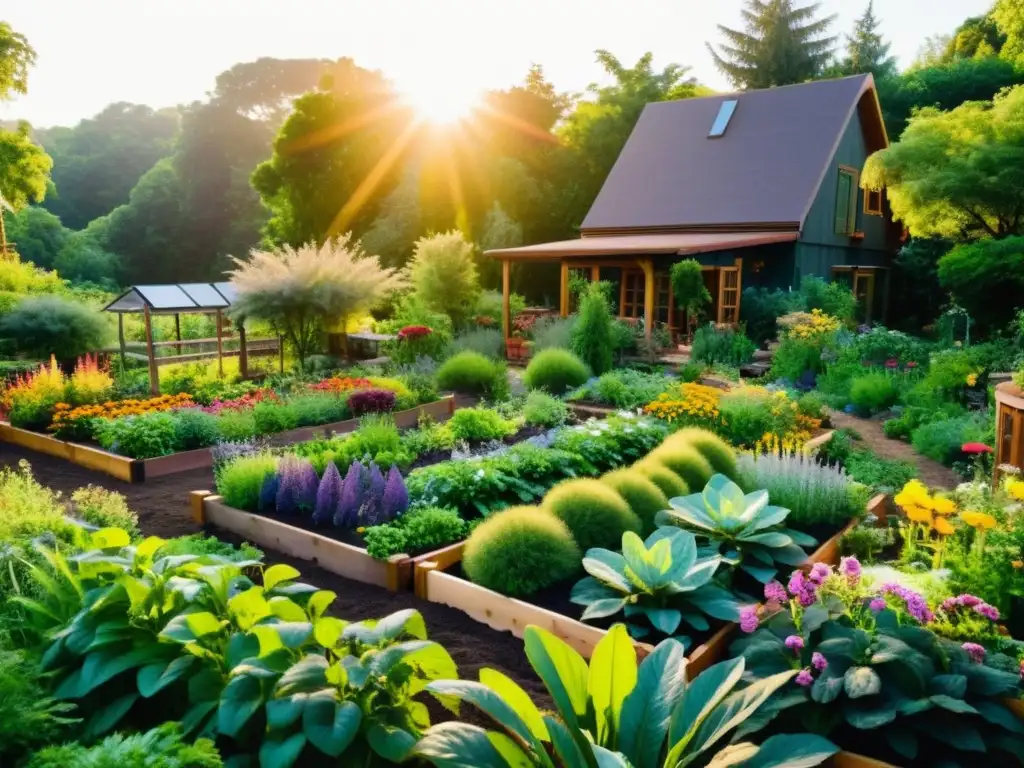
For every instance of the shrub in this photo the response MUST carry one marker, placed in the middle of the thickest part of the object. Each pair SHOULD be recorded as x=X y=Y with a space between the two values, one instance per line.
x=202 y=546
x=553 y=331
x=750 y=413
x=941 y=440
x=640 y=492
x=489 y=342
x=236 y=426
x=831 y=298
x=473 y=374
x=444 y=275
x=686 y=462
x=477 y=424
x=715 y=346
x=420 y=530
x=104 y=509
x=555 y=370
x=718 y=453
x=873 y=392
x=520 y=551
x=371 y=401
x=241 y=481
x=163 y=747
x=627 y=388
x=688 y=287
x=138 y=437
x=32 y=398
x=544 y=410
x=50 y=325
x=311 y=409
x=761 y=307
x=595 y=514
x=194 y=428
x=592 y=333
x=812 y=405
x=668 y=482
x=29 y=717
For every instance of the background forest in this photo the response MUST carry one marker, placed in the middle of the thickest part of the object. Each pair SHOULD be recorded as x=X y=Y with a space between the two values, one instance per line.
x=292 y=151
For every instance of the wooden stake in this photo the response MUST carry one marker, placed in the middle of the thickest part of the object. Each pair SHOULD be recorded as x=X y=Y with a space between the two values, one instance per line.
x=120 y=335
x=564 y=298
x=506 y=298
x=177 y=331
x=220 y=344
x=154 y=374
x=243 y=353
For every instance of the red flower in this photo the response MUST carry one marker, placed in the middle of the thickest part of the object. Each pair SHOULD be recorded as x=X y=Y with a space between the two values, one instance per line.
x=414 y=332
x=911 y=364
x=892 y=362
x=975 y=448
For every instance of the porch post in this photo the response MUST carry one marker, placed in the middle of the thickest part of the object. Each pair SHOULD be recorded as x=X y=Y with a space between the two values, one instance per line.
x=243 y=353
x=595 y=274
x=220 y=344
x=648 y=267
x=563 y=307
x=120 y=335
x=154 y=372
x=506 y=297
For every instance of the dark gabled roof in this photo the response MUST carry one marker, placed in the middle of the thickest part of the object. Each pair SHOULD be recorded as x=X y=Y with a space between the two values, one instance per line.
x=174 y=298
x=763 y=173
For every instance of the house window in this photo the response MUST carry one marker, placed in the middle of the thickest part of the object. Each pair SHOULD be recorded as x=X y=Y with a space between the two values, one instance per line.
x=633 y=284
x=846 y=201
x=725 y=113
x=663 y=298
x=873 y=202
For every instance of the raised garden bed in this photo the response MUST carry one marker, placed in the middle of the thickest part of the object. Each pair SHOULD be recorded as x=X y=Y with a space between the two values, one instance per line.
x=139 y=470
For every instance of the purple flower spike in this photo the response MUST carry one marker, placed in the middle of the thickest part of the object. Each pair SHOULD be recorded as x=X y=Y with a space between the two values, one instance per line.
x=850 y=568
x=288 y=488
x=396 y=497
x=819 y=662
x=347 y=515
x=877 y=605
x=805 y=679
x=975 y=651
x=328 y=496
x=914 y=603
x=748 y=619
x=820 y=572
x=308 y=482
x=795 y=643
x=268 y=492
x=373 y=513
x=775 y=592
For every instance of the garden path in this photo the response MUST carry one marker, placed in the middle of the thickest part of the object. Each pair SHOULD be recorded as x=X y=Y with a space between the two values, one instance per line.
x=163 y=509
x=931 y=472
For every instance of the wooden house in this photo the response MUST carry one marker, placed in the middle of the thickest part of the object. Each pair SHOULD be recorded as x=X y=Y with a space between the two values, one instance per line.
x=761 y=187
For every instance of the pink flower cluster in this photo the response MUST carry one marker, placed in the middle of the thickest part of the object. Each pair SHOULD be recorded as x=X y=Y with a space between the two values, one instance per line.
x=248 y=400
x=975 y=651
x=805 y=588
x=970 y=603
x=913 y=603
x=414 y=332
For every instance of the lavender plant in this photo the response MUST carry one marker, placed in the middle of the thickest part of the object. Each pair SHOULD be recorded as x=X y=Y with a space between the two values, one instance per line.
x=372 y=512
x=268 y=492
x=396 y=498
x=347 y=513
x=297 y=487
x=328 y=496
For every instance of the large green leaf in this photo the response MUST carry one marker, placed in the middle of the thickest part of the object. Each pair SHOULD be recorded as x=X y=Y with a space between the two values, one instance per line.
x=153 y=678
x=717 y=602
x=249 y=607
x=796 y=751
x=319 y=602
x=330 y=725
x=951 y=704
x=204 y=623
x=789 y=555
x=613 y=674
x=491 y=704
x=562 y=670
x=734 y=754
x=278 y=573
x=768 y=517
x=665 y=620
x=699 y=574
x=873 y=715
x=459 y=745
x=390 y=742
x=588 y=590
x=951 y=685
x=286 y=609
x=861 y=681
x=107 y=717
x=516 y=698
x=571 y=746
x=283 y=712
x=281 y=753
x=684 y=549
x=327 y=630
x=647 y=710
x=307 y=674
x=101 y=666
x=241 y=699
x=608 y=568
x=602 y=608
x=702 y=695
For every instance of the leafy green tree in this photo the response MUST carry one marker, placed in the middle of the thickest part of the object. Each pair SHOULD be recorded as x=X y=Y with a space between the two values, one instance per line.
x=334 y=159
x=98 y=162
x=976 y=38
x=915 y=280
x=1009 y=18
x=688 y=288
x=944 y=86
x=444 y=275
x=866 y=49
x=263 y=90
x=24 y=168
x=16 y=57
x=37 y=234
x=592 y=337
x=986 y=278
x=782 y=44
x=392 y=234
x=957 y=174
x=83 y=260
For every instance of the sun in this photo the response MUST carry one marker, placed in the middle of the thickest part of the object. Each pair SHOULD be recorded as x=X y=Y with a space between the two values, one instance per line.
x=442 y=102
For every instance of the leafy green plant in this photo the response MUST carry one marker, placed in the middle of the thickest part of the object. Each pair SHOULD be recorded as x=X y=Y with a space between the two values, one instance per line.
x=864 y=542
x=626 y=388
x=941 y=440
x=685 y=461
x=194 y=428
x=831 y=298
x=472 y=373
x=592 y=333
x=139 y=437
x=544 y=410
x=555 y=370
x=661 y=580
x=41 y=326
x=241 y=480
x=478 y=424
x=29 y=716
x=761 y=307
x=668 y=482
x=163 y=747
x=105 y=509
x=612 y=442
x=236 y=425
x=419 y=530
x=644 y=497
x=712 y=345
x=489 y=342
x=520 y=551
x=200 y=545
x=688 y=287
x=873 y=392
x=743 y=528
x=715 y=451
x=614 y=713
x=551 y=332
x=594 y=513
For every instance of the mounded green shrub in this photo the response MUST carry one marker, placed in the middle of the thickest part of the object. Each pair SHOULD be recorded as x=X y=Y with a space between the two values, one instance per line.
x=716 y=451
x=240 y=481
x=644 y=497
x=596 y=514
x=667 y=481
x=555 y=370
x=519 y=551
x=473 y=374
x=686 y=462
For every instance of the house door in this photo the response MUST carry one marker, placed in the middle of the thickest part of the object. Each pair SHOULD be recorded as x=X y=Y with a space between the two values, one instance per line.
x=864 y=290
x=728 y=295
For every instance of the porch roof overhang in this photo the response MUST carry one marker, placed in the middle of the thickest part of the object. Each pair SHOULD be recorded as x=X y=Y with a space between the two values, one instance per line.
x=675 y=244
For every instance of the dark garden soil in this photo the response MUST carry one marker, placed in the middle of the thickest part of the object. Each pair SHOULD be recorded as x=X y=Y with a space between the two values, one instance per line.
x=932 y=473
x=163 y=509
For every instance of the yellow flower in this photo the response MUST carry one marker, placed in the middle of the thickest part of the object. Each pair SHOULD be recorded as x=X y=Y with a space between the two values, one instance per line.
x=978 y=520
x=943 y=506
x=943 y=527
x=972 y=379
x=918 y=514
x=1018 y=564
x=1016 y=489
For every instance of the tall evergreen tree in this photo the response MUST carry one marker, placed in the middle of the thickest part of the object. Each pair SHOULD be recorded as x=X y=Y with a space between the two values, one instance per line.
x=782 y=44
x=866 y=50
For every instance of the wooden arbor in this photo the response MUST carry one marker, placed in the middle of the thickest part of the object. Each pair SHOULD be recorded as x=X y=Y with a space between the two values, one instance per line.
x=177 y=300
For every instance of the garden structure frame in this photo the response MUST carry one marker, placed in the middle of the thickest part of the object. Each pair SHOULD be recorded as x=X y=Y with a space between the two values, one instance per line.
x=179 y=299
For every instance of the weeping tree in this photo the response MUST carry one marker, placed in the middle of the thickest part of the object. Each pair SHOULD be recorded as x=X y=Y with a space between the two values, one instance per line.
x=304 y=291
x=688 y=288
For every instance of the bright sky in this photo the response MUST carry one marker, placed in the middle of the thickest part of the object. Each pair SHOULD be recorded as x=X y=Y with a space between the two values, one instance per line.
x=166 y=52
